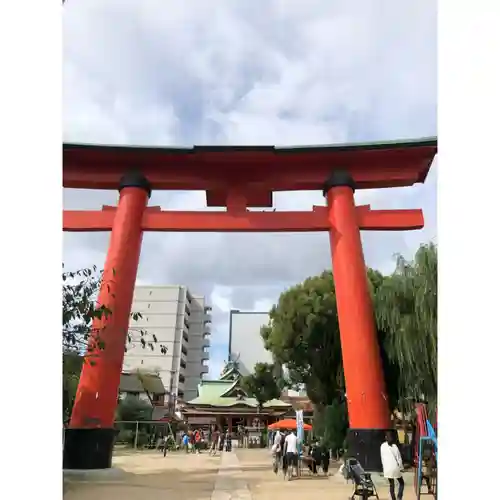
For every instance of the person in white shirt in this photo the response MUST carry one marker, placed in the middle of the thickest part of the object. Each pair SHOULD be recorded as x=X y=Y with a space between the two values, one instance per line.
x=392 y=464
x=276 y=451
x=291 y=453
x=277 y=440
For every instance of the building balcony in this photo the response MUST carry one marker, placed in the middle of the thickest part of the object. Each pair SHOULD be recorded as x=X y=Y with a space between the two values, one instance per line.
x=207 y=328
x=207 y=309
x=206 y=343
x=205 y=356
x=206 y=335
x=204 y=369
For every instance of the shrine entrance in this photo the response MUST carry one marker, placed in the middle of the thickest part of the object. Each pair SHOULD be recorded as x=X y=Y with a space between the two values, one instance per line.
x=239 y=178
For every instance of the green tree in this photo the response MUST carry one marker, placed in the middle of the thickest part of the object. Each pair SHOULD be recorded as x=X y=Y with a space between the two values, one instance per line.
x=72 y=366
x=336 y=424
x=133 y=409
x=406 y=311
x=262 y=384
x=79 y=309
x=130 y=410
x=304 y=336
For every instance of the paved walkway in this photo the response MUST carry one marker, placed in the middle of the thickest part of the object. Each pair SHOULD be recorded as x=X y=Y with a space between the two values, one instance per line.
x=230 y=483
x=239 y=475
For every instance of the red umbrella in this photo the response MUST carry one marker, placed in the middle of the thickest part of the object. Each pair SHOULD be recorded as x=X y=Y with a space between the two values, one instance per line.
x=288 y=423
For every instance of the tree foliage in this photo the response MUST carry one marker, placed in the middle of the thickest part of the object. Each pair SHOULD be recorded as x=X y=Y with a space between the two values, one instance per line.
x=133 y=409
x=262 y=384
x=406 y=310
x=145 y=376
x=80 y=338
x=72 y=366
x=335 y=425
x=80 y=307
x=303 y=335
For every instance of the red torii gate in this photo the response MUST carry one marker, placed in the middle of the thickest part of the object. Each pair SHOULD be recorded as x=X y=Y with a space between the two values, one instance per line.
x=239 y=177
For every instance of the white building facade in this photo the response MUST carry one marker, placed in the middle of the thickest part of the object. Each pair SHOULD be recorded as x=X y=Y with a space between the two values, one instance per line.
x=179 y=321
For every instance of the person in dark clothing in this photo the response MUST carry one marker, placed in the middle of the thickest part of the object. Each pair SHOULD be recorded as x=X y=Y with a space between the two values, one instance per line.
x=315 y=453
x=214 y=441
x=324 y=459
x=222 y=441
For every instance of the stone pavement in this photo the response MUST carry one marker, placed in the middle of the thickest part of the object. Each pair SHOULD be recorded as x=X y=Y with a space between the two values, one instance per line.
x=239 y=475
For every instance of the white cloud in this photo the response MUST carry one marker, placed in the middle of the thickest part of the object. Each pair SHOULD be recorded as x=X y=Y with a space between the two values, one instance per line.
x=261 y=72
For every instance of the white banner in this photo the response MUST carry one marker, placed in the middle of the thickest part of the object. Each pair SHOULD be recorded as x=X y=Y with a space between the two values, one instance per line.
x=299 y=418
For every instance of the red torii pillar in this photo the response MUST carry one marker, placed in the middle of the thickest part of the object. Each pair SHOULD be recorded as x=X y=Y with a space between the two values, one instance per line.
x=89 y=440
x=367 y=403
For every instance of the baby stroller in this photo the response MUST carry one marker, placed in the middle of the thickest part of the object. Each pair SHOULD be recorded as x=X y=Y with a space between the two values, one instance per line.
x=364 y=488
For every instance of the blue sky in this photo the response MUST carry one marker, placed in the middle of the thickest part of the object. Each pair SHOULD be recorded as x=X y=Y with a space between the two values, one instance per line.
x=261 y=72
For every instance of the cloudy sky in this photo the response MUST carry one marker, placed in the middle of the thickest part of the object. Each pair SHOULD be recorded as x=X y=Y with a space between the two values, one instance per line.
x=289 y=72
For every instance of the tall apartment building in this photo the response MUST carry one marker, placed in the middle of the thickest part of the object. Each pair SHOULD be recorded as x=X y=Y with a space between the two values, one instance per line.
x=181 y=322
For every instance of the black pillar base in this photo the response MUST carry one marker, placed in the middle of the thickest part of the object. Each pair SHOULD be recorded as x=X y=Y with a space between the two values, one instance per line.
x=86 y=449
x=364 y=446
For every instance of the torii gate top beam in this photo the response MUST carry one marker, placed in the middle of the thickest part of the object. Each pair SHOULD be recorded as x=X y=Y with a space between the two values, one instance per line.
x=255 y=170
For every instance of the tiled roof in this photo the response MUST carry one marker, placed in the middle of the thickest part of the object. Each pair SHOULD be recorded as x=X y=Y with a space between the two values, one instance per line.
x=152 y=383
x=129 y=382
x=135 y=383
x=212 y=393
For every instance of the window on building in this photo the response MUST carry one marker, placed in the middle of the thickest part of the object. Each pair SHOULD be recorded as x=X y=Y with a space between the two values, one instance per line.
x=158 y=399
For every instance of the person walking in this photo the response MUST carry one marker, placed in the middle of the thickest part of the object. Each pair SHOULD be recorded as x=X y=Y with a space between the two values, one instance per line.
x=222 y=439
x=392 y=464
x=325 y=458
x=276 y=451
x=191 y=441
x=185 y=442
x=165 y=445
x=291 y=455
x=197 y=441
x=214 y=441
